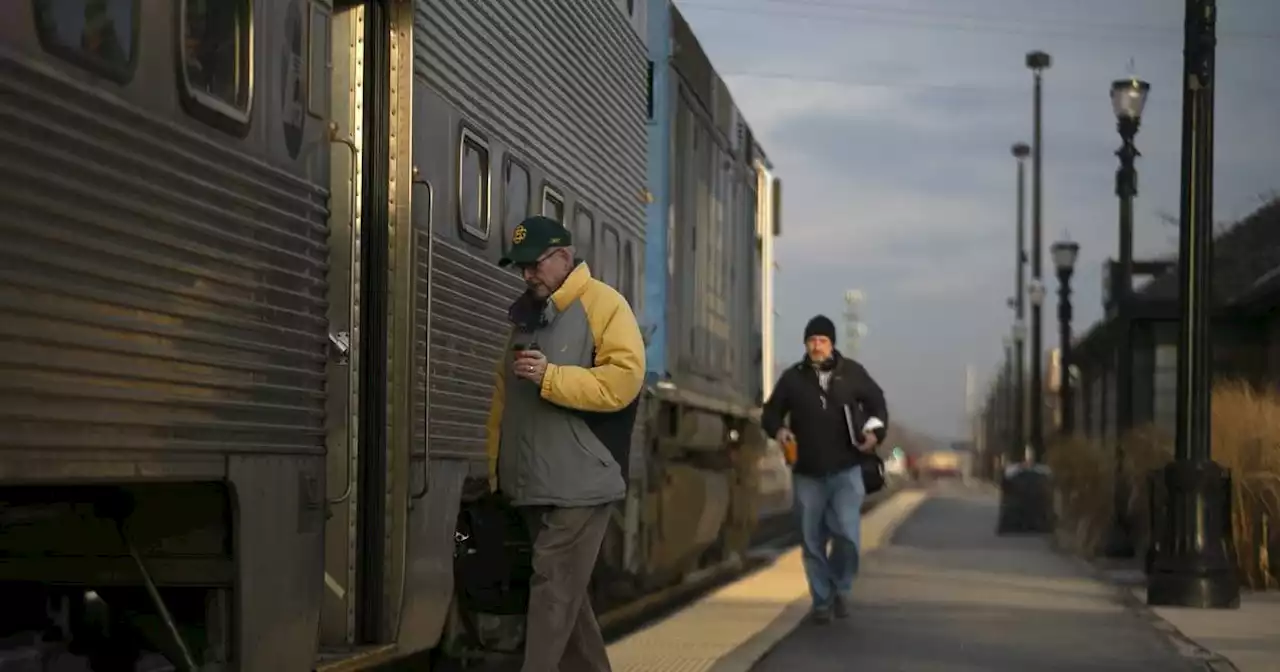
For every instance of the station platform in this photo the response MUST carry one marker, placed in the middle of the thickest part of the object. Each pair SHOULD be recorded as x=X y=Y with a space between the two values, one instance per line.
x=938 y=592
x=734 y=626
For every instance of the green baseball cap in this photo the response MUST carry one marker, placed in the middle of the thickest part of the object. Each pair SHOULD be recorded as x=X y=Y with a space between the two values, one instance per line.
x=534 y=236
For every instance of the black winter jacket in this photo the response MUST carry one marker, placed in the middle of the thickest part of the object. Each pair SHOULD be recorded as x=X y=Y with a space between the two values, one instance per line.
x=823 y=445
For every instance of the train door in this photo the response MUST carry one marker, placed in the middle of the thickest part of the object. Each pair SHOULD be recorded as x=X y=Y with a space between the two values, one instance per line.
x=370 y=378
x=338 y=613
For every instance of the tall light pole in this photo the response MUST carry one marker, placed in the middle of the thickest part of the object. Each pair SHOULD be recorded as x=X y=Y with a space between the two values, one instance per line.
x=1013 y=517
x=1193 y=564
x=1038 y=62
x=1018 y=450
x=1009 y=399
x=1064 y=260
x=1128 y=98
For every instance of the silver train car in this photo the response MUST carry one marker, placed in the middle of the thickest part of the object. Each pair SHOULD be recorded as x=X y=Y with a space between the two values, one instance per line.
x=250 y=307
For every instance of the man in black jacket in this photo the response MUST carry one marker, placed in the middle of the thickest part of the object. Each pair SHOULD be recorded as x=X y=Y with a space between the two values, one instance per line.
x=837 y=417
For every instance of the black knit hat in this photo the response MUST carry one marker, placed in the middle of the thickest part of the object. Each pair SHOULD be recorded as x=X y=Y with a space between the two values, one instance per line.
x=820 y=325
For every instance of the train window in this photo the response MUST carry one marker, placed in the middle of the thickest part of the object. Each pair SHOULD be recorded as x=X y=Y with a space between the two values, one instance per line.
x=98 y=35
x=319 y=67
x=608 y=257
x=552 y=204
x=473 y=186
x=217 y=55
x=584 y=233
x=515 y=198
x=649 y=92
x=628 y=281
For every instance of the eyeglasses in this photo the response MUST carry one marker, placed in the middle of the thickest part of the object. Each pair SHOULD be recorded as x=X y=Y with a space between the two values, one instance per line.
x=529 y=267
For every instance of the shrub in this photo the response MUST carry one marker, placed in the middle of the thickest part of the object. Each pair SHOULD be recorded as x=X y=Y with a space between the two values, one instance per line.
x=1083 y=476
x=1246 y=440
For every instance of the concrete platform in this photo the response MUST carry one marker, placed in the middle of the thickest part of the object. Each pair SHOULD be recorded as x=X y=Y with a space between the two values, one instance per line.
x=730 y=629
x=1227 y=640
x=948 y=595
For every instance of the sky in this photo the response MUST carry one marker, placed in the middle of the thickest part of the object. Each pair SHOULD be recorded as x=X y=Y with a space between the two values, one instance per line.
x=890 y=123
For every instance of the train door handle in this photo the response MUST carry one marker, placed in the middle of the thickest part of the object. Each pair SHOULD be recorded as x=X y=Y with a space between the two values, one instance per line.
x=341 y=345
x=341 y=341
x=415 y=251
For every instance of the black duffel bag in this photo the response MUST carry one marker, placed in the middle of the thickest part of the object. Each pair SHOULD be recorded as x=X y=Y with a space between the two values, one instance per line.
x=492 y=557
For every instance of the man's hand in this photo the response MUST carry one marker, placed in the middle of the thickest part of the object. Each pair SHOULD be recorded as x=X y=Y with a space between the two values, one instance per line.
x=784 y=435
x=869 y=441
x=530 y=365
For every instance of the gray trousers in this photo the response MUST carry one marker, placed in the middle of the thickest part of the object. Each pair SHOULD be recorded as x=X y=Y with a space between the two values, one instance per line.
x=561 y=631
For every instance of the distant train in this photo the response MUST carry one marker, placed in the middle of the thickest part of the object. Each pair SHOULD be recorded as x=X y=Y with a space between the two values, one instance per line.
x=250 y=308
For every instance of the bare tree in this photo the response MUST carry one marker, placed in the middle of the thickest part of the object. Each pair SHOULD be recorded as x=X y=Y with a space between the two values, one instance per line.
x=1171 y=220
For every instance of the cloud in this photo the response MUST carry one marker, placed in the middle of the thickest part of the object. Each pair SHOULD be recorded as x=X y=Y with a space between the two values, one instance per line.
x=772 y=102
x=893 y=143
x=877 y=222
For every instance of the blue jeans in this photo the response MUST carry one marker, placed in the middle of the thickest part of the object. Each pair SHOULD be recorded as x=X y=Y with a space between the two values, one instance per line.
x=830 y=510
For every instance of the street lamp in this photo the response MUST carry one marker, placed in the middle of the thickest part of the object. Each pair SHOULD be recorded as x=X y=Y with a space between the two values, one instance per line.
x=1038 y=62
x=1036 y=293
x=1009 y=399
x=1128 y=98
x=1015 y=511
x=1021 y=151
x=1064 y=260
x=1026 y=500
x=1193 y=564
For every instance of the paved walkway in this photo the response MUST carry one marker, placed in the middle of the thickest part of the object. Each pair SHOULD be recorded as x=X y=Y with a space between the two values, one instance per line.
x=728 y=630
x=1247 y=638
x=1228 y=640
x=948 y=595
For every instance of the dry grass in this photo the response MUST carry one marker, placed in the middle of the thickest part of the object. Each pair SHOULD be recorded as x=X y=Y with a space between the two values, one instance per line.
x=1083 y=477
x=1246 y=440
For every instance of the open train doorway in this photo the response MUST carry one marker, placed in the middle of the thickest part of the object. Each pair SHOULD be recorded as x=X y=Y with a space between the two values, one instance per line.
x=356 y=465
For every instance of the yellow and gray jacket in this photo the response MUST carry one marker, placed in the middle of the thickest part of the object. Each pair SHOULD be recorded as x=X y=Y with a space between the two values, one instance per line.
x=567 y=442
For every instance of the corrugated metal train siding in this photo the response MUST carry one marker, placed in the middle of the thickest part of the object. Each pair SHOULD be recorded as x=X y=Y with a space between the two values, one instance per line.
x=157 y=292
x=421 y=325
x=563 y=81
x=468 y=330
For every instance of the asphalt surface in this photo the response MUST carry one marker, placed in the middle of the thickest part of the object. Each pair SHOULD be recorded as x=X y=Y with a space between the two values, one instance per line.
x=948 y=595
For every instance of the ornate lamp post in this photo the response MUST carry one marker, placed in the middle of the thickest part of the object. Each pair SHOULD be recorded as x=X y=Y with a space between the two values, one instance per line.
x=1128 y=98
x=1064 y=260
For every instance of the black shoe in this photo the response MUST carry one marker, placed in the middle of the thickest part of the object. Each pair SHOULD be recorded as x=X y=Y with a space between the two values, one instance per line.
x=820 y=616
x=841 y=607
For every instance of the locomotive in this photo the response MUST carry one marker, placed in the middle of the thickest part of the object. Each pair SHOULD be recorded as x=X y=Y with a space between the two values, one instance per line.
x=250 y=309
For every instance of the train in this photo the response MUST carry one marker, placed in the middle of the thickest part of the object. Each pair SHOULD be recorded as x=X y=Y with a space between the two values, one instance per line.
x=250 y=309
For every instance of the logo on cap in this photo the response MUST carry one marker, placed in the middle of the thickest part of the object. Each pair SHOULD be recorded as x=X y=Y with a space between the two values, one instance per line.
x=518 y=235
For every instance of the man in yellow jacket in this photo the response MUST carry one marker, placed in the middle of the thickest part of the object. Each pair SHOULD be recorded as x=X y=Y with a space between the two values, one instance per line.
x=560 y=434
